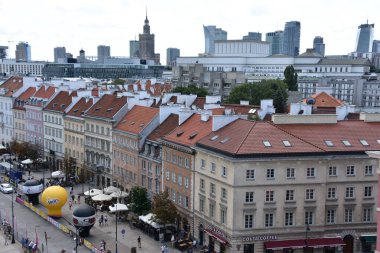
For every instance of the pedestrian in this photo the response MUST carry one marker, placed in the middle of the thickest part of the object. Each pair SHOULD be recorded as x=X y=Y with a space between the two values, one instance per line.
x=63 y=251
x=139 y=241
x=104 y=244
x=162 y=248
x=166 y=249
x=73 y=197
x=6 y=239
x=101 y=221
x=79 y=199
x=105 y=220
x=70 y=204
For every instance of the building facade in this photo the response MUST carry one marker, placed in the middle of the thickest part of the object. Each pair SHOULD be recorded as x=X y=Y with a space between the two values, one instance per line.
x=318 y=45
x=211 y=35
x=60 y=55
x=19 y=114
x=276 y=40
x=253 y=36
x=103 y=52
x=23 y=52
x=134 y=48
x=146 y=41
x=11 y=67
x=171 y=55
x=292 y=36
x=364 y=39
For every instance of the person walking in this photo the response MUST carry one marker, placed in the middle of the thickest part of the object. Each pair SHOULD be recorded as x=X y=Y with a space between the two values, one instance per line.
x=162 y=248
x=166 y=249
x=6 y=239
x=79 y=199
x=105 y=220
x=70 y=204
x=139 y=241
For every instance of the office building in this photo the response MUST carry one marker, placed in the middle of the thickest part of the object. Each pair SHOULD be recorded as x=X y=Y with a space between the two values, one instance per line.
x=60 y=55
x=23 y=52
x=146 y=42
x=376 y=46
x=292 y=35
x=276 y=40
x=253 y=36
x=171 y=55
x=3 y=52
x=318 y=45
x=211 y=35
x=364 y=38
x=134 y=48
x=104 y=52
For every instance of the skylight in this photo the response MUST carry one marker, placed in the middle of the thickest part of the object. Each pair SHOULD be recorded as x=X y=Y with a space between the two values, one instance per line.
x=346 y=143
x=224 y=140
x=287 y=143
x=179 y=133
x=364 y=142
x=378 y=141
x=109 y=109
x=329 y=143
x=76 y=110
x=267 y=144
x=97 y=109
x=214 y=138
x=132 y=123
x=191 y=136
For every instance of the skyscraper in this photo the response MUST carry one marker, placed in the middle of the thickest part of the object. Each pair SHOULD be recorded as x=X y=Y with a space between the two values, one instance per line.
x=318 y=45
x=146 y=42
x=292 y=35
x=211 y=34
x=171 y=55
x=134 y=48
x=253 y=36
x=276 y=40
x=103 y=52
x=376 y=46
x=3 y=52
x=23 y=52
x=364 y=38
x=60 y=54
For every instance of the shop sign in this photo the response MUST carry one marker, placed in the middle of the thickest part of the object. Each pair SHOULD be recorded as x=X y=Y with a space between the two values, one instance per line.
x=216 y=231
x=259 y=238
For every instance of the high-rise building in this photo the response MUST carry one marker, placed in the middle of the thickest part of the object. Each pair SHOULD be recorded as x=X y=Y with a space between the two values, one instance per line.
x=146 y=42
x=3 y=52
x=23 y=52
x=318 y=45
x=103 y=52
x=171 y=55
x=211 y=35
x=134 y=48
x=292 y=35
x=276 y=40
x=60 y=55
x=376 y=46
x=364 y=38
x=253 y=36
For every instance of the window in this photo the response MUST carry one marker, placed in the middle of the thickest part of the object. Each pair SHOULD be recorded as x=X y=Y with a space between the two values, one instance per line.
x=202 y=184
x=350 y=193
x=269 y=196
x=186 y=182
x=367 y=214
x=289 y=217
x=270 y=173
x=223 y=214
x=309 y=217
x=201 y=205
x=269 y=220
x=309 y=194
x=267 y=144
x=350 y=170
x=224 y=193
x=287 y=143
x=213 y=167
x=212 y=188
x=368 y=191
x=250 y=174
x=348 y=214
x=289 y=196
x=310 y=172
x=212 y=210
x=167 y=175
x=290 y=173
x=330 y=216
x=332 y=171
x=249 y=197
x=329 y=143
x=179 y=179
x=174 y=177
x=364 y=142
x=187 y=165
x=346 y=143
x=224 y=171
x=368 y=171
x=248 y=221
x=203 y=163
x=331 y=193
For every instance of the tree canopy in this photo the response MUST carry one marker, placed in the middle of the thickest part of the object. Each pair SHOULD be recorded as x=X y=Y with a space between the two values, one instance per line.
x=164 y=208
x=140 y=204
x=118 y=81
x=291 y=78
x=191 y=89
x=265 y=89
x=25 y=150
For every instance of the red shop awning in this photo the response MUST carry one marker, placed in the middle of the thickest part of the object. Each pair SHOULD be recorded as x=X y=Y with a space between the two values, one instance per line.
x=216 y=236
x=311 y=242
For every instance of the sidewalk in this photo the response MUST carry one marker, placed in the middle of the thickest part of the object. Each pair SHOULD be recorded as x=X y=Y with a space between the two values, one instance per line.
x=10 y=248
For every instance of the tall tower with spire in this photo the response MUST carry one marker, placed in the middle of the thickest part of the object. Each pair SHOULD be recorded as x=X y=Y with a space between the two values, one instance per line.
x=146 y=42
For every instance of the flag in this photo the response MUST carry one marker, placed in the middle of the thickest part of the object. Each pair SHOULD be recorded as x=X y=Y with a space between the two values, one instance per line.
x=35 y=230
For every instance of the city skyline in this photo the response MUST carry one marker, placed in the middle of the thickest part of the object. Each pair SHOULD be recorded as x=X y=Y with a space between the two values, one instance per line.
x=91 y=23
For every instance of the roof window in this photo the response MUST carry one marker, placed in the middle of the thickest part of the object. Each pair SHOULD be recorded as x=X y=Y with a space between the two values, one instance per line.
x=179 y=133
x=364 y=142
x=76 y=110
x=329 y=143
x=214 y=138
x=191 y=136
x=224 y=140
x=287 y=143
x=97 y=108
x=378 y=141
x=267 y=144
x=132 y=123
x=109 y=109
x=346 y=143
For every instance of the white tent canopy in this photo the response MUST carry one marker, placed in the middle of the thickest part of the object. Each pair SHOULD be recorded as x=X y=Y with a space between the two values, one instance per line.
x=118 y=208
x=93 y=192
x=2 y=147
x=119 y=194
x=102 y=197
x=110 y=189
x=57 y=174
x=27 y=161
x=148 y=219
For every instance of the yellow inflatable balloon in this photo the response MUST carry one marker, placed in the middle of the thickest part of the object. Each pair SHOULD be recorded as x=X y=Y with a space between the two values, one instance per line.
x=54 y=198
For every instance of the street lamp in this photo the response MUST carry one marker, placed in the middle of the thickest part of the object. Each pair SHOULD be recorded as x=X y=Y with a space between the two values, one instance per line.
x=13 y=220
x=307 y=230
x=116 y=227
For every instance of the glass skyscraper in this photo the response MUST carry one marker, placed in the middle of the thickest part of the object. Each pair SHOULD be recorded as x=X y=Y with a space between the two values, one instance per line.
x=211 y=35
x=292 y=34
x=276 y=40
x=318 y=45
x=364 y=38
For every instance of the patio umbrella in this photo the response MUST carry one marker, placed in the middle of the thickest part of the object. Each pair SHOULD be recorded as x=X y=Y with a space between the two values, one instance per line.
x=92 y=192
x=118 y=207
x=102 y=197
x=57 y=174
x=27 y=161
x=119 y=194
x=110 y=189
x=2 y=147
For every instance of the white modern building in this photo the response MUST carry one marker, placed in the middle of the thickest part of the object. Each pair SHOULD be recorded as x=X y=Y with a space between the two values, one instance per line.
x=11 y=67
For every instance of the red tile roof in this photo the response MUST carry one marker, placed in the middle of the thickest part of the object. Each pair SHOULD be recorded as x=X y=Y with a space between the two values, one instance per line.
x=325 y=100
x=200 y=102
x=12 y=85
x=61 y=101
x=164 y=128
x=80 y=107
x=45 y=92
x=24 y=97
x=136 y=120
x=192 y=130
x=107 y=106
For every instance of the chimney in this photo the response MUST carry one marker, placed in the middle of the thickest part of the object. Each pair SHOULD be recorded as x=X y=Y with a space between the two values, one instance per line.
x=205 y=117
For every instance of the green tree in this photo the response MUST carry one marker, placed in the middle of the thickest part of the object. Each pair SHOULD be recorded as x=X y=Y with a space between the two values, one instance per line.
x=118 y=82
x=164 y=208
x=140 y=204
x=191 y=89
x=291 y=78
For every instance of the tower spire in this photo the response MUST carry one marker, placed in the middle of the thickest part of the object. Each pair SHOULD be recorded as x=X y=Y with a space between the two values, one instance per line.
x=146 y=12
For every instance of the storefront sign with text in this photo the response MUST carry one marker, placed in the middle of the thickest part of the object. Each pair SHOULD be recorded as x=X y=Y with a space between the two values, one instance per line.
x=259 y=238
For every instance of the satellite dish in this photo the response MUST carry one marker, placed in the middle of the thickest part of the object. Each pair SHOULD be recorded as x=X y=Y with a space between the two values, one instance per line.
x=310 y=101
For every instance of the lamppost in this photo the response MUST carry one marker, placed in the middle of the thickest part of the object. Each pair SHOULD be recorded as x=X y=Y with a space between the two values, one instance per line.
x=13 y=219
x=307 y=230
x=116 y=227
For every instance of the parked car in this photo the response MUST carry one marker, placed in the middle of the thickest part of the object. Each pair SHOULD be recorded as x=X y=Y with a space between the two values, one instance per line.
x=6 y=188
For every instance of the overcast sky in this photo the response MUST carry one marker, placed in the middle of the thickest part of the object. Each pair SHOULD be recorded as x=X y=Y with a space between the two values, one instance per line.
x=77 y=24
